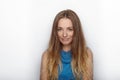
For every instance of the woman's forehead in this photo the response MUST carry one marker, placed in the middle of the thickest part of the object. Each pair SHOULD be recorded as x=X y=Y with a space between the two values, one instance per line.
x=65 y=22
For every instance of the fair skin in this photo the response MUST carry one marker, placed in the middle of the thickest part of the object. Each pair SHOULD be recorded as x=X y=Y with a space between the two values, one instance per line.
x=43 y=70
x=65 y=34
x=90 y=64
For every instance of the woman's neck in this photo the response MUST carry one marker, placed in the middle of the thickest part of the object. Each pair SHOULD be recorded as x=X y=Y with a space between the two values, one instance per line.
x=66 y=48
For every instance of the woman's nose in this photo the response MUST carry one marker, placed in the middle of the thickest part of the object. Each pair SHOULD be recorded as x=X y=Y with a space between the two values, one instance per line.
x=64 y=33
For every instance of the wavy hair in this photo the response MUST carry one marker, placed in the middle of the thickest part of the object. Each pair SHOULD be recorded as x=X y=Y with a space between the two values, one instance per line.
x=78 y=48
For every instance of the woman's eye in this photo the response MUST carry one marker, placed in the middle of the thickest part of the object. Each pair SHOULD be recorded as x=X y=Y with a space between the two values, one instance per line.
x=70 y=29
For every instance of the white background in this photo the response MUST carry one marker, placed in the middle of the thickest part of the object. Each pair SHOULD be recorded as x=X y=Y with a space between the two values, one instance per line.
x=25 y=28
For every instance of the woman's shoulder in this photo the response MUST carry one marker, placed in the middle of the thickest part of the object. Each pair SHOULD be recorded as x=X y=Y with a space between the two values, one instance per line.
x=43 y=69
x=45 y=55
x=89 y=64
x=89 y=52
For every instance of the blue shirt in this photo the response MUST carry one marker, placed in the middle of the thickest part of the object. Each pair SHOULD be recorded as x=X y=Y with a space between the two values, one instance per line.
x=66 y=72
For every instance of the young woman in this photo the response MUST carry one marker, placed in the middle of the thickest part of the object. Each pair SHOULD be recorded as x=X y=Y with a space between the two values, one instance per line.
x=67 y=57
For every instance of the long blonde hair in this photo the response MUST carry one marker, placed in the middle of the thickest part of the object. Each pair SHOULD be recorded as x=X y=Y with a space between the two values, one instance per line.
x=78 y=48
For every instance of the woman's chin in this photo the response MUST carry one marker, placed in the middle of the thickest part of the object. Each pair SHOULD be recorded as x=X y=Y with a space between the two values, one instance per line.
x=66 y=43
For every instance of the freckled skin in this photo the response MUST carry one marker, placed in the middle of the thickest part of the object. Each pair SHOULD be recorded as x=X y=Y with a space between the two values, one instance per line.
x=65 y=31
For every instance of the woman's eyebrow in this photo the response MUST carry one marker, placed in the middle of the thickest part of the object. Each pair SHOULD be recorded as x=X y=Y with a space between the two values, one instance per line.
x=59 y=27
x=66 y=27
x=70 y=26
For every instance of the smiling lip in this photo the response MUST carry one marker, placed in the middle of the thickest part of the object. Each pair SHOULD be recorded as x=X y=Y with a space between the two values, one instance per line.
x=65 y=39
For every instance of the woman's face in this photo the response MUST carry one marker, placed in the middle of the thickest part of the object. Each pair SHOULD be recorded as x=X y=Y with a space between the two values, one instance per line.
x=65 y=31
